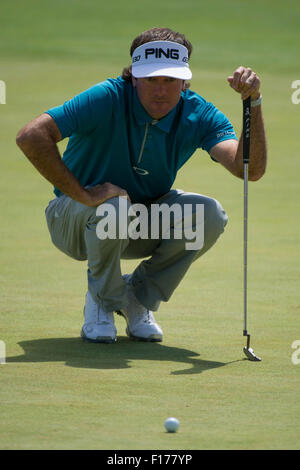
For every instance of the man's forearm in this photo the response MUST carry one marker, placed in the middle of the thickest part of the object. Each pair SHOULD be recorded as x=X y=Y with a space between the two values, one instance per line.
x=246 y=82
x=38 y=141
x=258 y=147
x=40 y=148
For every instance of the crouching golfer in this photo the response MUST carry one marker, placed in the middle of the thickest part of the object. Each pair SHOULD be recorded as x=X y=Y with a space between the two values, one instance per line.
x=128 y=137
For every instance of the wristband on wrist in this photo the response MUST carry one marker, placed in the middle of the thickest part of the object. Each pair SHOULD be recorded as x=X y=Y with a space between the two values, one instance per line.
x=256 y=102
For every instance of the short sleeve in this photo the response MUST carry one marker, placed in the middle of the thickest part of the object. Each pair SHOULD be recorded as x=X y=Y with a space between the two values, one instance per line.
x=216 y=128
x=84 y=112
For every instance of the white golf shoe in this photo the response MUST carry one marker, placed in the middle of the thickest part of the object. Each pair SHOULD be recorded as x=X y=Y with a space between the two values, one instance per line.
x=99 y=326
x=141 y=324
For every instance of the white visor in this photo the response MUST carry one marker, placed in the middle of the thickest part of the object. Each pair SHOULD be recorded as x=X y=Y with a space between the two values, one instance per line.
x=161 y=58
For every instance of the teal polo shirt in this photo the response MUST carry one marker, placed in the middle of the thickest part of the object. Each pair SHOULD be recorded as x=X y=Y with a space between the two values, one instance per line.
x=113 y=139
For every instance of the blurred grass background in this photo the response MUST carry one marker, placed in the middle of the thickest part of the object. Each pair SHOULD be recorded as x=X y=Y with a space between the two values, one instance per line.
x=57 y=392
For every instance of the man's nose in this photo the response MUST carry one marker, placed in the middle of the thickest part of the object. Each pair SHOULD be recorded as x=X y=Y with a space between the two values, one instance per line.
x=160 y=89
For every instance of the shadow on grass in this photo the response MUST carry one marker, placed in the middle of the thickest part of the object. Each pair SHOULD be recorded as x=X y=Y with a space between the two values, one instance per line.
x=76 y=353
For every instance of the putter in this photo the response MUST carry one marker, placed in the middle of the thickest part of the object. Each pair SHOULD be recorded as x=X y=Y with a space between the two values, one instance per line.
x=249 y=353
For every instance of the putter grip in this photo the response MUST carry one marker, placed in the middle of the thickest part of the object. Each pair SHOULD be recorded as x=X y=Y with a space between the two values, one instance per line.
x=246 y=129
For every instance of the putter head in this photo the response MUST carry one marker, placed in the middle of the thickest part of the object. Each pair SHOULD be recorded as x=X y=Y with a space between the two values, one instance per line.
x=249 y=353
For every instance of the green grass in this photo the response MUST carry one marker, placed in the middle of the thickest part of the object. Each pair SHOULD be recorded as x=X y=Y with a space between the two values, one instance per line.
x=57 y=392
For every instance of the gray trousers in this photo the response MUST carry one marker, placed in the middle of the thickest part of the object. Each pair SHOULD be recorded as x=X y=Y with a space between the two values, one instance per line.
x=73 y=230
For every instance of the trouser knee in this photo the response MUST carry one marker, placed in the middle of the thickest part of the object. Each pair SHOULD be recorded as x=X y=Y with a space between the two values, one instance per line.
x=74 y=226
x=215 y=219
x=210 y=226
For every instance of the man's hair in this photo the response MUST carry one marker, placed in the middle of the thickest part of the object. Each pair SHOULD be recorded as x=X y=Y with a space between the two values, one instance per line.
x=157 y=34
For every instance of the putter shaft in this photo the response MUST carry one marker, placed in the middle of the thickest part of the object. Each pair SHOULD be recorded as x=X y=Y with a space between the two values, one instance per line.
x=245 y=242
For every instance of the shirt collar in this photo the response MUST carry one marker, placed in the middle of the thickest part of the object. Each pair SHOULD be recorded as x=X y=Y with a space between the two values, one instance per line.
x=143 y=117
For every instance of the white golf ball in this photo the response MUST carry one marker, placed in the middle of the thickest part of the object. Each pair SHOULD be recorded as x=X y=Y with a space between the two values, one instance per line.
x=171 y=424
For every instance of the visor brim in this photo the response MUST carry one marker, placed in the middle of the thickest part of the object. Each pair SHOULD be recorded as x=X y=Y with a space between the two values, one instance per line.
x=144 y=71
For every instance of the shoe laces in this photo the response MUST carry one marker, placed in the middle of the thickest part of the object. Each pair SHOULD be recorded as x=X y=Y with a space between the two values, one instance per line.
x=138 y=309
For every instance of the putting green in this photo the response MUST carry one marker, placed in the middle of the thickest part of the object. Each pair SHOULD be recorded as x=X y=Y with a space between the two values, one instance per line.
x=57 y=392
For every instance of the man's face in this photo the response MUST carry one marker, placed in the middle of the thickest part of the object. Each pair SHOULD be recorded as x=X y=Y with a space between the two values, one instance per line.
x=158 y=95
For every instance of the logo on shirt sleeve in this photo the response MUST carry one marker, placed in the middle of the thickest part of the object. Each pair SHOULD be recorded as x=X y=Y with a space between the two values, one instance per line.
x=221 y=134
